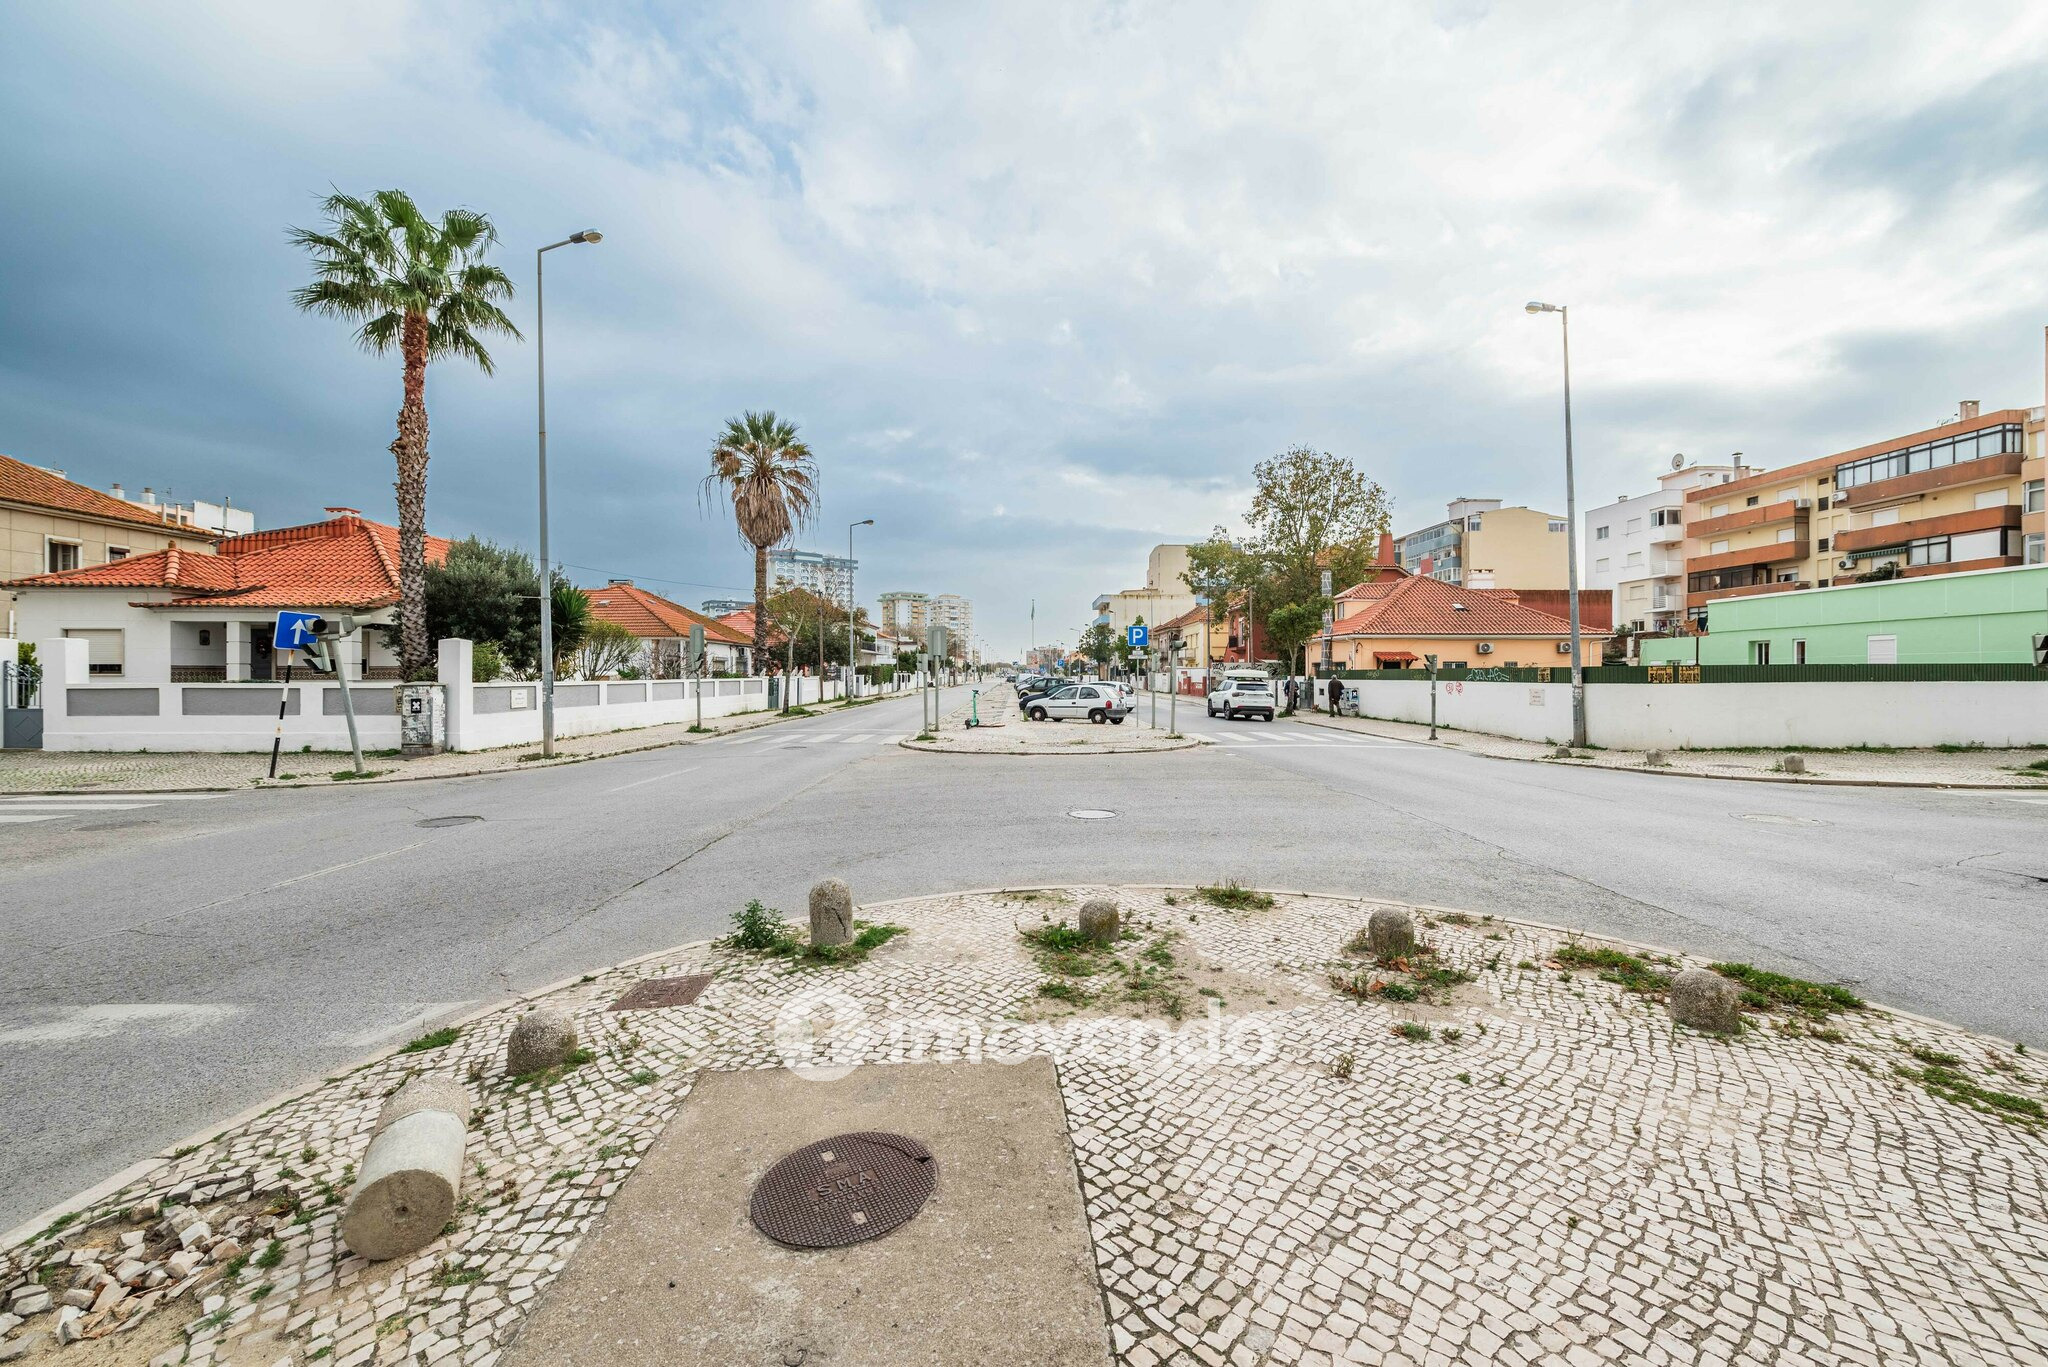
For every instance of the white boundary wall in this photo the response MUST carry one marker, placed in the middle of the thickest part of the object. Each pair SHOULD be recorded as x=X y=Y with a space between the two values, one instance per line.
x=1707 y=716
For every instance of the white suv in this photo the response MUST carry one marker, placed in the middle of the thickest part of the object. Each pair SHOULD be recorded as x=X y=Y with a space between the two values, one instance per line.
x=1243 y=698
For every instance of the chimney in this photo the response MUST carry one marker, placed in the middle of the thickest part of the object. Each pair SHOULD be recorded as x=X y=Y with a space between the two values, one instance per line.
x=341 y=512
x=1386 y=555
x=1967 y=410
x=149 y=495
x=118 y=494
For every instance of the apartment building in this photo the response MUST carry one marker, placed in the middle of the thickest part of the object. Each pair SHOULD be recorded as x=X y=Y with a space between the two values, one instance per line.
x=1634 y=548
x=1164 y=596
x=1950 y=498
x=905 y=614
x=1482 y=545
x=830 y=576
x=956 y=615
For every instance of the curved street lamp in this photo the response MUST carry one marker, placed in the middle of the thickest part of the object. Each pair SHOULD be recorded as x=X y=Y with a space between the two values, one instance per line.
x=547 y=581
x=1571 y=524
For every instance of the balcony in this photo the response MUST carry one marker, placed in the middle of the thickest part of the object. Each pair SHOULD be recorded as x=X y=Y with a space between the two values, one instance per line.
x=1705 y=596
x=1668 y=535
x=1949 y=524
x=1765 y=553
x=1979 y=471
x=1788 y=510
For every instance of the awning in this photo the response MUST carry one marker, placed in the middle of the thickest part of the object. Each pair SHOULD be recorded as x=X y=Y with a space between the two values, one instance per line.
x=1399 y=657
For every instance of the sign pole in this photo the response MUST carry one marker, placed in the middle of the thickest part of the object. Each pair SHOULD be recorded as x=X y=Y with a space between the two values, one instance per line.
x=284 y=697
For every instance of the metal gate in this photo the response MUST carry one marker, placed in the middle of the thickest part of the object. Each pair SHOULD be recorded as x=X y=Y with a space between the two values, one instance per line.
x=21 y=720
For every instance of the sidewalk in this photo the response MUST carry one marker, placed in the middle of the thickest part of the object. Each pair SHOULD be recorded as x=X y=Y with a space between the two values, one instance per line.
x=1901 y=768
x=43 y=771
x=1501 y=1150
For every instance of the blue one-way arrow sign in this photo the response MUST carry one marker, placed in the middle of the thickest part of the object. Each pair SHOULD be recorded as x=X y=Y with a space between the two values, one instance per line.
x=1139 y=636
x=295 y=630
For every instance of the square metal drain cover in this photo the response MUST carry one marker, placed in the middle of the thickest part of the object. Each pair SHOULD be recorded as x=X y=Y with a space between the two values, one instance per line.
x=651 y=994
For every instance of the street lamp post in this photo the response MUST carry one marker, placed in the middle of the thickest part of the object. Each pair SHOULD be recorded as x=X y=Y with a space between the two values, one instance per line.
x=1571 y=525
x=547 y=583
x=852 y=640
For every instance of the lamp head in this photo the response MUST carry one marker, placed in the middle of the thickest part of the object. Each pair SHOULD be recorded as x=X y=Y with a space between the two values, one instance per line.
x=587 y=235
x=865 y=522
x=1534 y=306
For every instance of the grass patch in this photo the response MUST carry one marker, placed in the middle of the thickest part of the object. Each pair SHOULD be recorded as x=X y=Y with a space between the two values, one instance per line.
x=1232 y=896
x=548 y=1077
x=1413 y=1031
x=271 y=1256
x=1626 y=971
x=434 y=1039
x=1763 y=990
x=1952 y=1085
x=695 y=730
x=1935 y=1058
x=453 y=1274
x=757 y=929
x=641 y=1077
x=349 y=775
x=1065 y=990
x=1147 y=978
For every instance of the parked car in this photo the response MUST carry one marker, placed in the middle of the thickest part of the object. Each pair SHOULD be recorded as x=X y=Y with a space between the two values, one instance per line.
x=1038 y=688
x=1241 y=697
x=1098 y=702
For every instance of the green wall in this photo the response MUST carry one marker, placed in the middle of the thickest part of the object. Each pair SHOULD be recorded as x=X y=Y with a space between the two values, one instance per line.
x=1981 y=617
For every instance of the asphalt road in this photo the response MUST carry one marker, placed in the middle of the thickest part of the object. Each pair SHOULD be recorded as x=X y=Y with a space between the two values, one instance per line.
x=173 y=962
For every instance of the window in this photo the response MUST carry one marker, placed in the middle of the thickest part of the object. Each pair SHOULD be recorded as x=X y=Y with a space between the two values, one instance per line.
x=1472 y=524
x=103 y=649
x=1884 y=517
x=2037 y=549
x=1717 y=547
x=1822 y=544
x=1785 y=534
x=1635 y=558
x=1556 y=524
x=1720 y=510
x=1928 y=455
x=1799 y=652
x=1600 y=533
x=116 y=553
x=1822 y=505
x=1752 y=500
x=1881 y=650
x=1666 y=517
x=1990 y=498
x=59 y=556
x=1759 y=652
x=2036 y=496
x=1635 y=524
x=1602 y=565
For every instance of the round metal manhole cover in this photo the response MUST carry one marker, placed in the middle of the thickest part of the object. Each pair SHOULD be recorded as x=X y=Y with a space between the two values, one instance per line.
x=844 y=1190
x=1090 y=814
x=435 y=823
x=1778 y=819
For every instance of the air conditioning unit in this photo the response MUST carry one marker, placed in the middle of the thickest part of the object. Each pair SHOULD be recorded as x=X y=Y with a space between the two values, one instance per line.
x=1483 y=648
x=1845 y=563
x=1802 y=503
x=1565 y=647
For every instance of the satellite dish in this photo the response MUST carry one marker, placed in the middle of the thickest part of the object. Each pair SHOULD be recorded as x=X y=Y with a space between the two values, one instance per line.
x=1678 y=461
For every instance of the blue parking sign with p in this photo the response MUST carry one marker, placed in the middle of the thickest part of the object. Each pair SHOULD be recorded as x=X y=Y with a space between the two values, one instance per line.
x=1139 y=636
x=295 y=630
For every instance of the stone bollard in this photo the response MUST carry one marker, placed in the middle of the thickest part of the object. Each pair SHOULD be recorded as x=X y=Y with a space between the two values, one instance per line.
x=411 y=1175
x=831 y=913
x=1704 y=1000
x=1792 y=764
x=1390 y=934
x=1654 y=758
x=544 y=1037
x=1100 y=920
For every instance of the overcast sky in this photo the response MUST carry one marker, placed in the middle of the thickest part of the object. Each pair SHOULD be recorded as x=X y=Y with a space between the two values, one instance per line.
x=1038 y=281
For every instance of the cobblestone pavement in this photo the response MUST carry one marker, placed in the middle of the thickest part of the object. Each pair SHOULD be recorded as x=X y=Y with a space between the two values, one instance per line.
x=1003 y=730
x=1556 y=1174
x=1922 y=768
x=32 y=771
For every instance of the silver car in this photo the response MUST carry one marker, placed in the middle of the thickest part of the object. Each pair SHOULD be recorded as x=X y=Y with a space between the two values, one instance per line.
x=1096 y=702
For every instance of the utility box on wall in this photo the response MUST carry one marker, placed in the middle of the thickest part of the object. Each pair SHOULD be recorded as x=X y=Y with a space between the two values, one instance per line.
x=422 y=720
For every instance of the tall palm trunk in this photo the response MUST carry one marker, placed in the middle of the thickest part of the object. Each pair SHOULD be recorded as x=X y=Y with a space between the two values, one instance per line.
x=760 y=602
x=410 y=448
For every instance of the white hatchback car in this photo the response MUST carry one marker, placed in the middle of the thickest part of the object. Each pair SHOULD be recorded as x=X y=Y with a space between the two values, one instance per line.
x=1243 y=698
x=1098 y=702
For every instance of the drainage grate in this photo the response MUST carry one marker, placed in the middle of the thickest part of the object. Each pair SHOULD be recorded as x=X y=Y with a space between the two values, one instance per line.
x=435 y=823
x=844 y=1190
x=652 y=994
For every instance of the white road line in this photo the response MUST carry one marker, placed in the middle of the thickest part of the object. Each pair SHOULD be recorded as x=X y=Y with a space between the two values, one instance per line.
x=74 y=808
x=6 y=820
x=637 y=782
x=97 y=1022
x=2033 y=801
x=111 y=797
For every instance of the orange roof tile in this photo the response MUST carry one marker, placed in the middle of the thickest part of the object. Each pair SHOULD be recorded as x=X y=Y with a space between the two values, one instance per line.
x=23 y=483
x=650 y=615
x=1430 y=607
x=1186 y=619
x=344 y=562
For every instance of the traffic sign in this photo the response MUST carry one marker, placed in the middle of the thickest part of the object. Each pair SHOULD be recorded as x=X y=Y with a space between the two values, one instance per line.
x=1139 y=636
x=296 y=630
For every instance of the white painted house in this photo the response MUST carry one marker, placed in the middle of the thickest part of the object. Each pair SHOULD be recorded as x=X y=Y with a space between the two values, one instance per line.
x=1634 y=548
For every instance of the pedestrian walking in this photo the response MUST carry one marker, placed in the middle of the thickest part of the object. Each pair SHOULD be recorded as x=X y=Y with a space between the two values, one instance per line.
x=1293 y=693
x=1336 y=693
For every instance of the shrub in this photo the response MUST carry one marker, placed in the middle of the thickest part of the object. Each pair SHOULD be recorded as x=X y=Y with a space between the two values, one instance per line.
x=486 y=662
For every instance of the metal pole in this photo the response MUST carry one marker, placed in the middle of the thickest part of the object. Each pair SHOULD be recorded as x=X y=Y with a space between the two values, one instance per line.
x=348 y=708
x=547 y=596
x=852 y=652
x=1173 y=689
x=284 y=697
x=1432 y=697
x=1571 y=539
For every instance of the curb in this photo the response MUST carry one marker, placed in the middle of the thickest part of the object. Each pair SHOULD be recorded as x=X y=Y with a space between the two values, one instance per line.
x=106 y=1186
x=1816 y=782
x=933 y=748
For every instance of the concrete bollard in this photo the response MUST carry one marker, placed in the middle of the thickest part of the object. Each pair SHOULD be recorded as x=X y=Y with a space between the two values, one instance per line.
x=1390 y=934
x=1704 y=1000
x=831 y=913
x=1100 y=920
x=544 y=1037
x=1792 y=764
x=411 y=1175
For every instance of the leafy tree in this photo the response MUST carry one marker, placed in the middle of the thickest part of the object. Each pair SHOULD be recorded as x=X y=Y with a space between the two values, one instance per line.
x=800 y=616
x=489 y=594
x=571 y=625
x=419 y=286
x=771 y=479
x=1293 y=626
x=485 y=664
x=606 y=649
x=1098 y=643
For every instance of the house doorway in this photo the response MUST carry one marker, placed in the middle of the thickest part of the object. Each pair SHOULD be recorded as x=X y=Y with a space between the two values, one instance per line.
x=261 y=654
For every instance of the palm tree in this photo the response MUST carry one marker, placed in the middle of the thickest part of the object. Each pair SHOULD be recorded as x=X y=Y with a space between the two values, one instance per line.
x=759 y=462
x=422 y=287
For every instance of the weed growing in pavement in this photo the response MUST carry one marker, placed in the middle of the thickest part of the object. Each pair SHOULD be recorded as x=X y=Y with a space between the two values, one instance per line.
x=1934 y=1057
x=434 y=1039
x=695 y=730
x=454 y=1274
x=1341 y=1066
x=1147 y=978
x=761 y=930
x=641 y=1077
x=1465 y=1078
x=1413 y=1031
x=1763 y=990
x=548 y=1077
x=1233 y=896
x=1626 y=971
x=271 y=1256
x=1953 y=1085
x=1065 y=990
x=1450 y=1034
x=347 y=775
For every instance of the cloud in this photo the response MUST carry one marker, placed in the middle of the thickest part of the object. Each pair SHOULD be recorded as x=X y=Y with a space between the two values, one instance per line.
x=1039 y=282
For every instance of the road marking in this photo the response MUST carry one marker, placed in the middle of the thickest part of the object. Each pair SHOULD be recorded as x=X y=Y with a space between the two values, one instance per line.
x=111 y=797
x=2032 y=801
x=638 y=781
x=97 y=1022
x=23 y=820
x=74 y=808
x=20 y=810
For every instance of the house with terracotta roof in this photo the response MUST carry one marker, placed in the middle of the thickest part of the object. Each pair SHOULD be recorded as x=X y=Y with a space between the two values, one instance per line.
x=664 y=630
x=180 y=615
x=51 y=524
x=1393 y=621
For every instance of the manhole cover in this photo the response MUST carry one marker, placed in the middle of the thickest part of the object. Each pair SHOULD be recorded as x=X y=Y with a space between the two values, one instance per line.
x=844 y=1190
x=435 y=823
x=651 y=994
x=1091 y=814
x=1779 y=819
